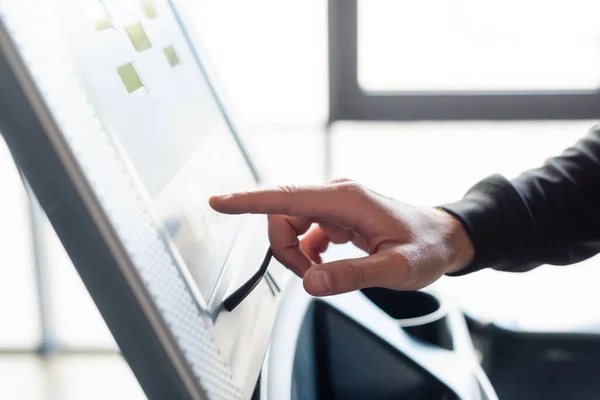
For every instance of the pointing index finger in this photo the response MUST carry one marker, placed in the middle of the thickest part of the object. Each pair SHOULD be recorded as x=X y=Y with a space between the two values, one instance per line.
x=341 y=203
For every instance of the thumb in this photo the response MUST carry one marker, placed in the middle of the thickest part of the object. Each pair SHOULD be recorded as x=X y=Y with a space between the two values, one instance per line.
x=389 y=268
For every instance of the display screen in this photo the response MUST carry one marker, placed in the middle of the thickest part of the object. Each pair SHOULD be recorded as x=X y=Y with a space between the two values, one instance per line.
x=151 y=94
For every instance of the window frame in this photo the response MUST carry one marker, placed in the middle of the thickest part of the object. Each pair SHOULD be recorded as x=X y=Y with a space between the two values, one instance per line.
x=348 y=101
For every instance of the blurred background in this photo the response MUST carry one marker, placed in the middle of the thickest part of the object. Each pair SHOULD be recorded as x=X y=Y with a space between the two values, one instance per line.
x=312 y=108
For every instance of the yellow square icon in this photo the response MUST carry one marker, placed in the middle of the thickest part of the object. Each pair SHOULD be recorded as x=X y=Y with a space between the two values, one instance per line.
x=172 y=56
x=138 y=37
x=130 y=78
x=149 y=9
x=103 y=24
x=98 y=14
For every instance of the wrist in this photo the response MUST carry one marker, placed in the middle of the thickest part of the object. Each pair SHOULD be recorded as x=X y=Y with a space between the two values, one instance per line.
x=460 y=246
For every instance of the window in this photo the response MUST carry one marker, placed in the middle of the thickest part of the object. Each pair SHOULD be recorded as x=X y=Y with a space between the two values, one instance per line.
x=471 y=45
x=20 y=319
x=464 y=60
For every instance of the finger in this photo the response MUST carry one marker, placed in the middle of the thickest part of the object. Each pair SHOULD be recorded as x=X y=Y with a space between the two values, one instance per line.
x=341 y=203
x=283 y=235
x=388 y=268
x=317 y=239
x=361 y=243
x=336 y=234
x=314 y=243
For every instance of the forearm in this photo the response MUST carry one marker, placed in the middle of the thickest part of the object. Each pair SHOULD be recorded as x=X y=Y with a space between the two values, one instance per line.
x=549 y=215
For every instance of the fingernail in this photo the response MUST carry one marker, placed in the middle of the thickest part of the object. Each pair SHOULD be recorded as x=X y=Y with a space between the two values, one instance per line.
x=319 y=280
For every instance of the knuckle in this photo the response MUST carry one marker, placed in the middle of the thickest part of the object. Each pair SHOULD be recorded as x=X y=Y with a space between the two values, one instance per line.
x=289 y=192
x=287 y=188
x=339 y=180
x=353 y=188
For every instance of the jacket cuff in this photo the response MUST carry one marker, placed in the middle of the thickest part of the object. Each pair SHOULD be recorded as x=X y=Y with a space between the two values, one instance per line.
x=498 y=222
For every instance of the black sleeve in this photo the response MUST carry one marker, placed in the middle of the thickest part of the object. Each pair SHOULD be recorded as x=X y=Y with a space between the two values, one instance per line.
x=549 y=215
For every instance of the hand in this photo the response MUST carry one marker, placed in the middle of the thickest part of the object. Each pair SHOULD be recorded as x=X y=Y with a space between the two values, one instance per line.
x=409 y=247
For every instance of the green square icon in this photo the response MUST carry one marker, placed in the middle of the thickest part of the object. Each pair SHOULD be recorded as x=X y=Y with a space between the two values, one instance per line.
x=130 y=78
x=172 y=56
x=149 y=9
x=103 y=24
x=138 y=37
x=97 y=13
